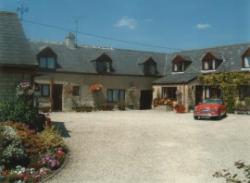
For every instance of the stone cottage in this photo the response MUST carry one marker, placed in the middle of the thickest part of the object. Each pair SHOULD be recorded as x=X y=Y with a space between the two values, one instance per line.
x=67 y=71
x=70 y=75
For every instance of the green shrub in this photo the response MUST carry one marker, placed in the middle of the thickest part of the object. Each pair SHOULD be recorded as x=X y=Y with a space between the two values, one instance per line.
x=247 y=101
x=230 y=103
x=19 y=110
x=107 y=107
x=11 y=150
x=240 y=107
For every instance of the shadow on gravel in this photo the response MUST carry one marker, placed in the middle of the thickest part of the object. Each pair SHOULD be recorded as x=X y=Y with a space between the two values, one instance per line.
x=61 y=129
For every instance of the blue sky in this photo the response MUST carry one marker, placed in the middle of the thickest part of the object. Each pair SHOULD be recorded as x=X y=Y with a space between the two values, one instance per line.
x=183 y=24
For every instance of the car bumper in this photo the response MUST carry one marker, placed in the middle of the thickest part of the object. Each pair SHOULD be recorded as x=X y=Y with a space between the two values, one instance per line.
x=206 y=115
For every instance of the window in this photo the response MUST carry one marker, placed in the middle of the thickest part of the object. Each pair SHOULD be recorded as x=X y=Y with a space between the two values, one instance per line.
x=76 y=91
x=103 y=66
x=211 y=92
x=45 y=90
x=209 y=65
x=115 y=95
x=47 y=62
x=47 y=59
x=246 y=59
x=178 y=67
x=246 y=62
x=169 y=92
x=150 y=68
x=180 y=63
x=210 y=62
x=244 y=91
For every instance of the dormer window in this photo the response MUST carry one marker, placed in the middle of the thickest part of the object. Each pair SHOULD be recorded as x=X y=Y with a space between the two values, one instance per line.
x=47 y=59
x=104 y=64
x=210 y=62
x=246 y=59
x=47 y=62
x=247 y=62
x=180 y=63
x=209 y=65
x=150 y=67
x=178 y=67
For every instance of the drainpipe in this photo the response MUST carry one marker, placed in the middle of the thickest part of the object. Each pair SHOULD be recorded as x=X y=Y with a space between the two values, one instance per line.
x=51 y=94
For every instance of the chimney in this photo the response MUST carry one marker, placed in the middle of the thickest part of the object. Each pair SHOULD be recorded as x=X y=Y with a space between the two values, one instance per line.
x=70 y=40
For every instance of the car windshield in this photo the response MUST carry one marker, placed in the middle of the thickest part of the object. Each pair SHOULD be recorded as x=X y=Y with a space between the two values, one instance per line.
x=212 y=101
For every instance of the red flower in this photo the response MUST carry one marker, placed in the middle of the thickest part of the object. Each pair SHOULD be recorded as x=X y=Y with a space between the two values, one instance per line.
x=96 y=87
x=59 y=153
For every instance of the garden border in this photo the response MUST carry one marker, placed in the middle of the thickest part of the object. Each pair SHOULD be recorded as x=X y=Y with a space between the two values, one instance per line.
x=54 y=173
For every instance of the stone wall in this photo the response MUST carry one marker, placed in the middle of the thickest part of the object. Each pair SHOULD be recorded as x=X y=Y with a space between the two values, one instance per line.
x=85 y=81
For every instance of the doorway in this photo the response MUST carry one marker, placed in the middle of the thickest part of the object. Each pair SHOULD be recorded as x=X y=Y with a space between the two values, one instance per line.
x=57 y=97
x=146 y=99
x=198 y=94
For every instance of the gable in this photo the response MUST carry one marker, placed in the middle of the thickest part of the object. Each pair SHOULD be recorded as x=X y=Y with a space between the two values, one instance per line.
x=48 y=52
x=209 y=57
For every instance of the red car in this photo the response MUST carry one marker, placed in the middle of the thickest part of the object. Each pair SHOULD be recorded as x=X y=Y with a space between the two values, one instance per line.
x=210 y=108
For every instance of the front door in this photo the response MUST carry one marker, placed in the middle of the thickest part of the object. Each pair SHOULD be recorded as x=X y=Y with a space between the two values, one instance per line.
x=146 y=99
x=198 y=94
x=57 y=97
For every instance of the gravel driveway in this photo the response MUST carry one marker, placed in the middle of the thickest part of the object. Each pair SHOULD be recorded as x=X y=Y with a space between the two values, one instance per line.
x=150 y=147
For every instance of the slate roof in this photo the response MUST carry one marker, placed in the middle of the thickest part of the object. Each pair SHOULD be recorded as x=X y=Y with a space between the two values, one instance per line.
x=14 y=47
x=231 y=56
x=179 y=78
x=80 y=60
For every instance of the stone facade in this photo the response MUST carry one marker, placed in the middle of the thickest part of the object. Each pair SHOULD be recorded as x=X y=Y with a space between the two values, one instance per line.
x=137 y=83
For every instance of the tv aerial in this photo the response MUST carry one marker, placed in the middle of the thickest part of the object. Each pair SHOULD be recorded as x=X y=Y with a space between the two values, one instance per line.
x=22 y=9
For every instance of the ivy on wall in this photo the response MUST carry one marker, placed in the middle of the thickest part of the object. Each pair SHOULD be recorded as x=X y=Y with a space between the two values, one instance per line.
x=229 y=83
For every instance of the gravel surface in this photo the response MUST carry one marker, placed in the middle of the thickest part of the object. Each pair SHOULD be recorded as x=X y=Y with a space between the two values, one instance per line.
x=150 y=147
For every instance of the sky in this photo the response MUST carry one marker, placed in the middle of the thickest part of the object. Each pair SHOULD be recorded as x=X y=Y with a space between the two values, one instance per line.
x=156 y=24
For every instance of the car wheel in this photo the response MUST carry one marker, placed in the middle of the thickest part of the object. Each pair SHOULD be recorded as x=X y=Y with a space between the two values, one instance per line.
x=196 y=117
x=225 y=115
x=219 y=117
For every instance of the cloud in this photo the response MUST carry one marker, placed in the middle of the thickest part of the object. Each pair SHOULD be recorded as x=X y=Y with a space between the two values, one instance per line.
x=203 y=26
x=127 y=22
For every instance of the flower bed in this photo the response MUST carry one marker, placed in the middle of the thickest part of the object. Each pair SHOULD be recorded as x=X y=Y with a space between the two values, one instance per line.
x=27 y=155
x=169 y=103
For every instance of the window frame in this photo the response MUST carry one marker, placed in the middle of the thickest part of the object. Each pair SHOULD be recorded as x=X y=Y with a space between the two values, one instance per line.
x=243 y=91
x=121 y=93
x=47 y=59
x=177 y=65
x=41 y=86
x=211 y=65
x=246 y=59
x=169 y=93
x=103 y=66
x=150 y=68
x=76 y=91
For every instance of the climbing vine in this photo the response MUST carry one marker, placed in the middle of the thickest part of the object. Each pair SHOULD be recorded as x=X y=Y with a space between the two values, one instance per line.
x=229 y=83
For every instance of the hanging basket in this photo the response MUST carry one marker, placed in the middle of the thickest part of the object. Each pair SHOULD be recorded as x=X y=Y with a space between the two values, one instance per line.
x=95 y=88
